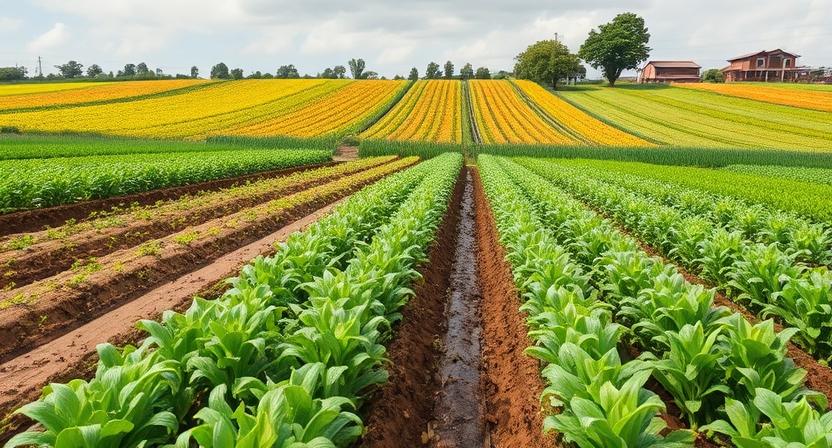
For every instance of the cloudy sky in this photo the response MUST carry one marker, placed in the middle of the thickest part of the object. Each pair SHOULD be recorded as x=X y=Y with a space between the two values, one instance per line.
x=390 y=35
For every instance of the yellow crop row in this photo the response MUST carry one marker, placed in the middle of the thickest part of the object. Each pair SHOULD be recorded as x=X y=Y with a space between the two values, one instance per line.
x=26 y=89
x=502 y=117
x=91 y=92
x=431 y=111
x=330 y=114
x=807 y=99
x=193 y=115
x=576 y=120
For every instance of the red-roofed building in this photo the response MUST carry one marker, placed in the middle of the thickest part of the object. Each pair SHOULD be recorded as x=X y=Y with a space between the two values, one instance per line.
x=765 y=66
x=670 y=71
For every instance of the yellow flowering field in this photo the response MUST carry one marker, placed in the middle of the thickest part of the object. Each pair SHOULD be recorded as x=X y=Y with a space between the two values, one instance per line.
x=194 y=114
x=336 y=112
x=31 y=88
x=501 y=116
x=430 y=111
x=576 y=120
x=94 y=93
x=807 y=99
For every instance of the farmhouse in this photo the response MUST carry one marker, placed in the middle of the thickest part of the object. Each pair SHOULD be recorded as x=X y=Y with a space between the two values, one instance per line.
x=765 y=66
x=670 y=71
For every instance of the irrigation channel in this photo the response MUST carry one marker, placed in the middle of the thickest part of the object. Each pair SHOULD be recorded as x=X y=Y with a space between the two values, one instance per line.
x=458 y=375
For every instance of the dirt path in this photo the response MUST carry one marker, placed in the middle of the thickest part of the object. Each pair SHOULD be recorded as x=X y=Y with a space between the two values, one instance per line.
x=22 y=378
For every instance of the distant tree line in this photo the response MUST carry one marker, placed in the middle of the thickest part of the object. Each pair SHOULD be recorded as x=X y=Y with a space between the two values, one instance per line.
x=357 y=70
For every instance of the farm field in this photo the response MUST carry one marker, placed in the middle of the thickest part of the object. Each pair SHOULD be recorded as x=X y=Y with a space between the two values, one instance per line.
x=817 y=99
x=691 y=118
x=430 y=111
x=211 y=109
x=511 y=273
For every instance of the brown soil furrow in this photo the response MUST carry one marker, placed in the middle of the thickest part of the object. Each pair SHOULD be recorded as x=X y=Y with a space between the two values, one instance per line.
x=512 y=381
x=50 y=257
x=64 y=358
x=401 y=412
x=76 y=296
x=459 y=409
x=39 y=219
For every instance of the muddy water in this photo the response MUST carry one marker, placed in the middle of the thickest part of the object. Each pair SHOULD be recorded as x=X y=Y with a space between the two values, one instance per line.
x=459 y=408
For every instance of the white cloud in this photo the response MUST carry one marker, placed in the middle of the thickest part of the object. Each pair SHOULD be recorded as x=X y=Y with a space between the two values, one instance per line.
x=51 y=39
x=9 y=25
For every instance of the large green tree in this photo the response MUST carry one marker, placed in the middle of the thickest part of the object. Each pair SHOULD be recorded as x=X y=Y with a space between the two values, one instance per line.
x=433 y=71
x=547 y=61
x=449 y=70
x=357 y=67
x=71 y=69
x=414 y=74
x=617 y=46
x=467 y=71
x=220 y=71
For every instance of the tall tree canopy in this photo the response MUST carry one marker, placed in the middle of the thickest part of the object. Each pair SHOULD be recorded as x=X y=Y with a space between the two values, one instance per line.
x=449 y=70
x=357 y=67
x=467 y=71
x=433 y=71
x=414 y=74
x=220 y=71
x=547 y=61
x=71 y=69
x=617 y=46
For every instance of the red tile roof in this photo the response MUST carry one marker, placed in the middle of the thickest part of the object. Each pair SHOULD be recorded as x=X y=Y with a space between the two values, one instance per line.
x=674 y=64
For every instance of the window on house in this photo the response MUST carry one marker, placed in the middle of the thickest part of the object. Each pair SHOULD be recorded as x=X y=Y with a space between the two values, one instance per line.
x=761 y=62
x=787 y=63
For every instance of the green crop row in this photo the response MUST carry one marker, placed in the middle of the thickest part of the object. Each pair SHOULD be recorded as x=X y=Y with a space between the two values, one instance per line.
x=796 y=173
x=766 y=275
x=281 y=360
x=810 y=200
x=724 y=374
x=35 y=183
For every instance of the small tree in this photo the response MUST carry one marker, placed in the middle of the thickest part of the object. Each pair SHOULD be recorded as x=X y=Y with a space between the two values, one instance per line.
x=483 y=73
x=287 y=71
x=129 y=70
x=194 y=72
x=328 y=74
x=236 y=73
x=340 y=71
x=617 y=46
x=414 y=74
x=546 y=61
x=255 y=75
x=713 y=75
x=71 y=69
x=449 y=70
x=467 y=71
x=141 y=69
x=94 y=70
x=220 y=71
x=357 y=67
x=432 y=71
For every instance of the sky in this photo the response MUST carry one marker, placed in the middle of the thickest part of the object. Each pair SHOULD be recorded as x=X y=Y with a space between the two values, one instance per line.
x=390 y=35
